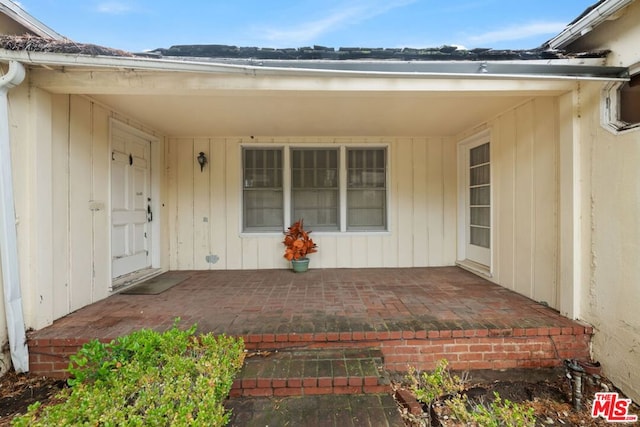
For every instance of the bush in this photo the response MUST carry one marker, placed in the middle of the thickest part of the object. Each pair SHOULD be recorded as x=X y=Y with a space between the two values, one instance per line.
x=146 y=378
x=429 y=387
x=495 y=414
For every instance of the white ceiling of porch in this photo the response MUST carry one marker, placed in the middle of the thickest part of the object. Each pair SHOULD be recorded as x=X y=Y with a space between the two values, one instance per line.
x=312 y=113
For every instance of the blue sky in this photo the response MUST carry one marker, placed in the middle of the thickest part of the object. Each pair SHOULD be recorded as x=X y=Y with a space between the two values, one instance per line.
x=137 y=25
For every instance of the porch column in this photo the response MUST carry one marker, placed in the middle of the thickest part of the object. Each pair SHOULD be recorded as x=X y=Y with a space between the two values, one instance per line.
x=569 y=194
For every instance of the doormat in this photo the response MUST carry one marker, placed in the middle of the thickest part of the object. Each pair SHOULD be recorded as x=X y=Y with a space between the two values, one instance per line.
x=156 y=285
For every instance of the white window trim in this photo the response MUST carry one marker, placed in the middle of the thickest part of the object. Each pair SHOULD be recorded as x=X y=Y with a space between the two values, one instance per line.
x=342 y=174
x=610 y=107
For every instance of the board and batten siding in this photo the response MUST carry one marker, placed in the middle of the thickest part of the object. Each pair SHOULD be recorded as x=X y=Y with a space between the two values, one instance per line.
x=525 y=150
x=205 y=208
x=61 y=155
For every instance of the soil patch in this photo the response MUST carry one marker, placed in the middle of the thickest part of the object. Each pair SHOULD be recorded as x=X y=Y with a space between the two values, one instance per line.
x=18 y=391
x=548 y=392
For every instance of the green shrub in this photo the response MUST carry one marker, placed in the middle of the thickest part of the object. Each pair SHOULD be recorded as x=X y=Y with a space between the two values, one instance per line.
x=429 y=386
x=498 y=413
x=146 y=378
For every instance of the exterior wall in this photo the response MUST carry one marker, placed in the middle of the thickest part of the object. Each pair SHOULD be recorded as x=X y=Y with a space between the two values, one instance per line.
x=9 y=26
x=524 y=159
x=205 y=209
x=61 y=161
x=620 y=36
x=610 y=288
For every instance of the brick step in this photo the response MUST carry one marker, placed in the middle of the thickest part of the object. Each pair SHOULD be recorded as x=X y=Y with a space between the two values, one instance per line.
x=312 y=372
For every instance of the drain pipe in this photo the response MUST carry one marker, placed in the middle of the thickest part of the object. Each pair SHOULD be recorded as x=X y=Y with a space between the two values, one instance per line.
x=8 y=232
x=576 y=374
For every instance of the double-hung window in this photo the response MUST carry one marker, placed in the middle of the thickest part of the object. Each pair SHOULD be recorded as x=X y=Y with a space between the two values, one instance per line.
x=366 y=189
x=263 y=189
x=315 y=190
x=334 y=189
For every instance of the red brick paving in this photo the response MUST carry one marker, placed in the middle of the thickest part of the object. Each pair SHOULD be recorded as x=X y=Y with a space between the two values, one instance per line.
x=414 y=315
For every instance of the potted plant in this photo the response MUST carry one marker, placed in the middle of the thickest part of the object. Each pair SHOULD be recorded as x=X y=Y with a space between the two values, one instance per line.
x=298 y=245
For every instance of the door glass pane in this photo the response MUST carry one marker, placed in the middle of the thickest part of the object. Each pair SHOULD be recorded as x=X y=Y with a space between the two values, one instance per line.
x=480 y=175
x=479 y=155
x=480 y=216
x=480 y=237
x=480 y=196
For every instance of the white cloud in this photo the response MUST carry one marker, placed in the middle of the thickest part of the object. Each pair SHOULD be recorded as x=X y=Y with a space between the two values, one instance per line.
x=350 y=13
x=518 y=32
x=113 y=8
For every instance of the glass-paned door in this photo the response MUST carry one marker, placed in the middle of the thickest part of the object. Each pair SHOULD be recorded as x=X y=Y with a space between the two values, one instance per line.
x=479 y=204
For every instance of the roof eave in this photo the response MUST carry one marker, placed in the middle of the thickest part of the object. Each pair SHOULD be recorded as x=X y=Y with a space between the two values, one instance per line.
x=418 y=69
x=587 y=23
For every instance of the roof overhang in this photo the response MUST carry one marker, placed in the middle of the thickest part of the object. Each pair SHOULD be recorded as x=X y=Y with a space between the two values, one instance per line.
x=584 y=24
x=205 y=98
x=19 y=15
x=565 y=69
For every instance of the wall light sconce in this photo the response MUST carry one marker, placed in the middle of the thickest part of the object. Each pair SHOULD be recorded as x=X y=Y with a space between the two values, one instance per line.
x=202 y=160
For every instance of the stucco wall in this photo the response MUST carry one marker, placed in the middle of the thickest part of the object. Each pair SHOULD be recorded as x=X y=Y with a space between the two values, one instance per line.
x=205 y=208
x=610 y=289
x=620 y=36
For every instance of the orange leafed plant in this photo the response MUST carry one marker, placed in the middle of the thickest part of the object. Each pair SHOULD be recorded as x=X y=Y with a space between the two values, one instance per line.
x=297 y=242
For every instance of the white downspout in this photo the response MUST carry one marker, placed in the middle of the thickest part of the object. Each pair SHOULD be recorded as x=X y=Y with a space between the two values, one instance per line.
x=8 y=232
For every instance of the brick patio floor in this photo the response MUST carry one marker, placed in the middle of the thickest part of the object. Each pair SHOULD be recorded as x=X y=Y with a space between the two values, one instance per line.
x=414 y=315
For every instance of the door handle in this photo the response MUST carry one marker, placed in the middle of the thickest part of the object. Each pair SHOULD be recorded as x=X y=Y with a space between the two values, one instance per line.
x=149 y=214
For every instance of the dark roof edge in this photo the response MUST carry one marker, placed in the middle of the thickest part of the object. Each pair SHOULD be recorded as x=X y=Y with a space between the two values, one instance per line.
x=443 y=53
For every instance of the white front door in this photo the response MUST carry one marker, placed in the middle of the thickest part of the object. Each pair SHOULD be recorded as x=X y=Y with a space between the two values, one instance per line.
x=475 y=197
x=130 y=203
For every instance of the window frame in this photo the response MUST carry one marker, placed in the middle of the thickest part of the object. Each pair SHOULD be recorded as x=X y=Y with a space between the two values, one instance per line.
x=342 y=181
x=611 y=104
x=244 y=187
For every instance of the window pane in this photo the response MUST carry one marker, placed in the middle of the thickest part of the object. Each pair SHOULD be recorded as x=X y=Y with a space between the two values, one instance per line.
x=263 y=210
x=630 y=101
x=318 y=208
x=366 y=189
x=480 y=175
x=479 y=155
x=262 y=189
x=366 y=208
x=480 y=196
x=480 y=216
x=480 y=237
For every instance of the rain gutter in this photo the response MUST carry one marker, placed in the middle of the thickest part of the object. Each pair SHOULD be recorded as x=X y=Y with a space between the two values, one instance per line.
x=8 y=232
x=409 y=69
x=602 y=12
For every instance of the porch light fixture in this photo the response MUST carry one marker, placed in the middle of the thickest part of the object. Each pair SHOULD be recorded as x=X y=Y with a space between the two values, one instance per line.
x=202 y=160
